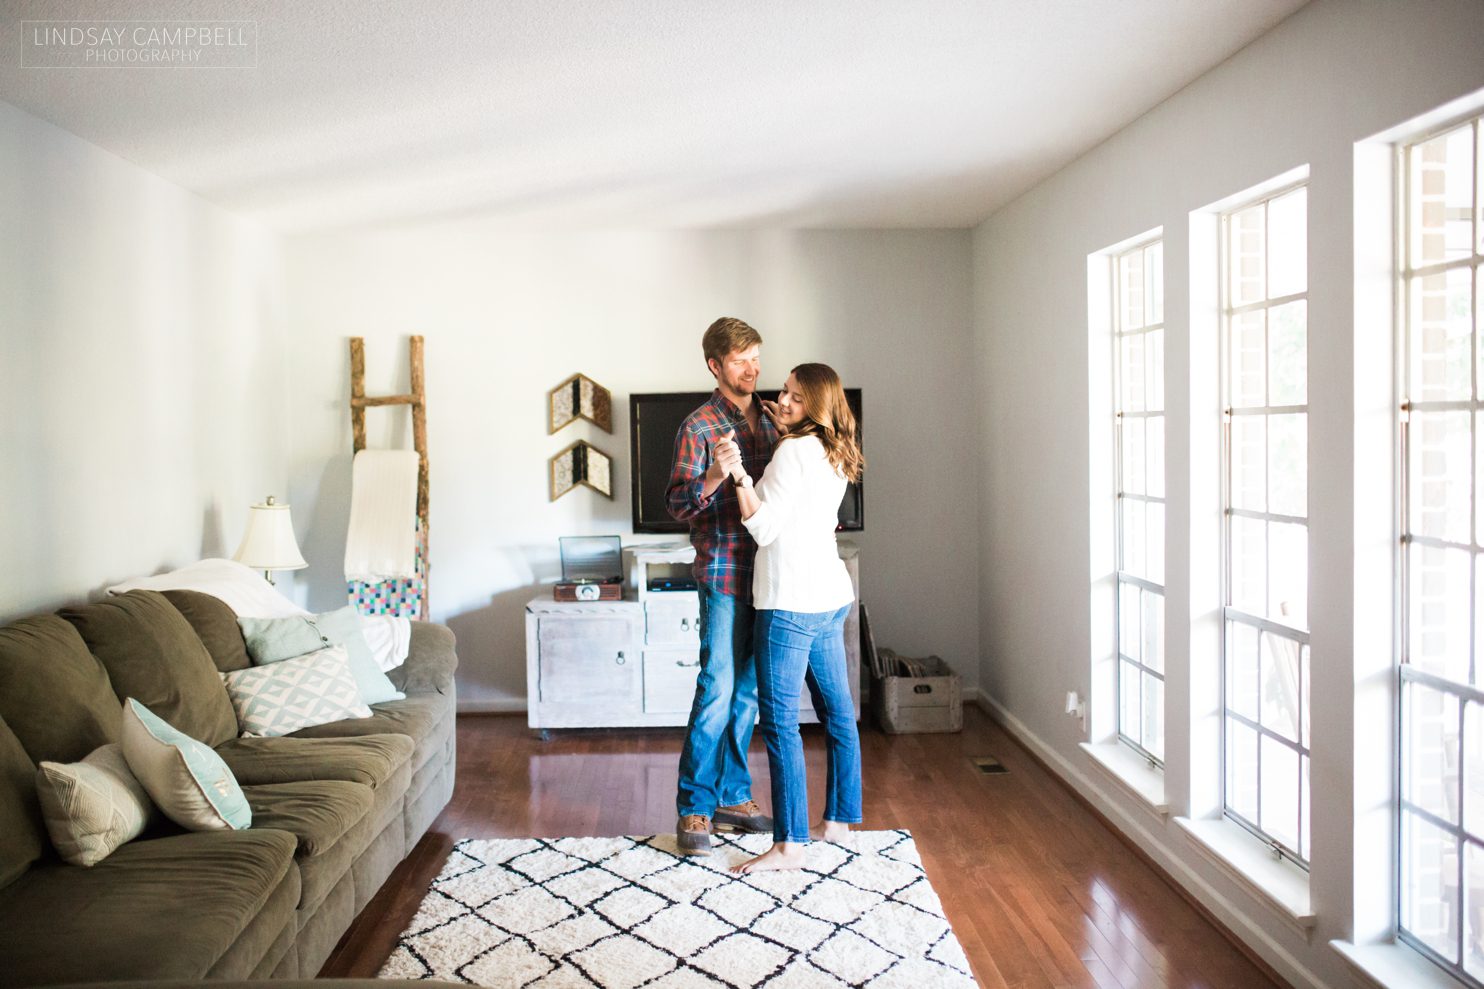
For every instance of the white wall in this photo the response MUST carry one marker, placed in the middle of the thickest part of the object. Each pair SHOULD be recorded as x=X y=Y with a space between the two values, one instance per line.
x=509 y=314
x=1337 y=72
x=140 y=394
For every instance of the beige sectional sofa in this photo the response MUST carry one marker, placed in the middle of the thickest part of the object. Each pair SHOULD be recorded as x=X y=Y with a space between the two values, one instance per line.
x=335 y=808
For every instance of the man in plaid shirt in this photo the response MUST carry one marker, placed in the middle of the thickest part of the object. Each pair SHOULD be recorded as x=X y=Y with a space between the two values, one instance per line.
x=715 y=785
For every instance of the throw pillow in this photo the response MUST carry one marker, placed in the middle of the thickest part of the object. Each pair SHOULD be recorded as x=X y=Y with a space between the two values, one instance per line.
x=243 y=589
x=92 y=807
x=272 y=640
x=296 y=693
x=185 y=779
x=347 y=627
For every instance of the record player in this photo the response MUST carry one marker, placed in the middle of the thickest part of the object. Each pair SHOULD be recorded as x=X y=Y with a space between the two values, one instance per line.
x=592 y=569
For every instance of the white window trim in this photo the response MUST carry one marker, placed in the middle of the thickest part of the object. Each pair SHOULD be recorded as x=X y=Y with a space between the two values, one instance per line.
x=1100 y=723
x=1392 y=965
x=1281 y=186
x=1278 y=882
x=1136 y=781
x=1406 y=951
x=1130 y=770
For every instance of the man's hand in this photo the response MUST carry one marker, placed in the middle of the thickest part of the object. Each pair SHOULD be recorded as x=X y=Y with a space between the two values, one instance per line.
x=726 y=458
x=728 y=454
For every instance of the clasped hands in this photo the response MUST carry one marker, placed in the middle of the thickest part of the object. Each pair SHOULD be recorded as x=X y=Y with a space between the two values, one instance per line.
x=727 y=455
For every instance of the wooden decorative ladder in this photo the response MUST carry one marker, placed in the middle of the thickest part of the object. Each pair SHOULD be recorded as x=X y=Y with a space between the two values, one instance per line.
x=360 y=402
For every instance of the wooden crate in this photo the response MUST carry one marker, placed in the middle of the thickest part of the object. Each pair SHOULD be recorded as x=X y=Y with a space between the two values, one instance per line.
x=919 y=705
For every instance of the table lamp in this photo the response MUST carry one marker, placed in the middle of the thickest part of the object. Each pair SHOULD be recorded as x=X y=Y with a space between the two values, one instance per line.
x=269 y=542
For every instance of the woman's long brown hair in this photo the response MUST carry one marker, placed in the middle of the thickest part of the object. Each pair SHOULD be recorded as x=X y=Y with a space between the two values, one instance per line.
x=827 y=415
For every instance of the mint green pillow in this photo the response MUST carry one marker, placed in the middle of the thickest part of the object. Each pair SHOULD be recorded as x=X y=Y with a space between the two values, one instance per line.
x=272 y=640
x=185 y=779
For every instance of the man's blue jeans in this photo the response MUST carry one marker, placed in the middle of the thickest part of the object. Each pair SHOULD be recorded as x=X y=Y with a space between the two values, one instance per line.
x=713 y=764
x=793 y=647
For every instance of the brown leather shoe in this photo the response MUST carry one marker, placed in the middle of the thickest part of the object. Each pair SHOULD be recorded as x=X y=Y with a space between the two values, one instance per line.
x=746 y=816
x=693 y=834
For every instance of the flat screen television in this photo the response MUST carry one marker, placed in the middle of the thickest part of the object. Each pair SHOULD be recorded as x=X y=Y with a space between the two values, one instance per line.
x=655 y=418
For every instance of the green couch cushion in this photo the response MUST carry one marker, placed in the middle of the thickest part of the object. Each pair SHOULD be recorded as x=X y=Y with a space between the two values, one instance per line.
x=22 y=833
x=371 y=760
x=417 y=716
x=317 y=813
x=154 y=656
x=54 y=694
x=216 y=624
x=162 y=908
x=431 y=661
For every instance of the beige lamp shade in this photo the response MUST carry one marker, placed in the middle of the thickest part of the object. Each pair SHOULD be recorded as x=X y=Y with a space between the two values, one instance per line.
x=269 y=542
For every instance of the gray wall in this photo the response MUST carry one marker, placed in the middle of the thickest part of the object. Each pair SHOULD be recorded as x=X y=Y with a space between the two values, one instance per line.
x=141 y=369
x=507 y=315
x=1336 y=73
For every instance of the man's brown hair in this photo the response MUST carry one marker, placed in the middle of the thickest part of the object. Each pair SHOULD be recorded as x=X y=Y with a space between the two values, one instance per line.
x=726 y=335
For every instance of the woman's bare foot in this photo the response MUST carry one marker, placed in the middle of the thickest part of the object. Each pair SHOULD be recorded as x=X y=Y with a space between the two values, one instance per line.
x=783 y=855
x=835 y=831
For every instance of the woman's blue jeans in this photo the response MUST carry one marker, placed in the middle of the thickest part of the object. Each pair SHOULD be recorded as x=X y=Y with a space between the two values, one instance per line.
x=793 y=648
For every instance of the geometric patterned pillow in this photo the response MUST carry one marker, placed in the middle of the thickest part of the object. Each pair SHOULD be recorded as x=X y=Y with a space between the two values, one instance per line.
x=308 y=690
x=92 y=807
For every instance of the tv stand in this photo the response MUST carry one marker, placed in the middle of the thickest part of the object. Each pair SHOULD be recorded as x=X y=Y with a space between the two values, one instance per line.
x=634 y=663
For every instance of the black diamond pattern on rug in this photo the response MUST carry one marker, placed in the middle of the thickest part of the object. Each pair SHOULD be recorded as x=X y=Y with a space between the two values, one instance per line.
x=624 y=913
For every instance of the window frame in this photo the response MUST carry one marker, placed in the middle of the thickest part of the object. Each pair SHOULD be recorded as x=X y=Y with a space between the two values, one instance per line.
x=1406 y=276
x=1121 y=577
x=1230 y=614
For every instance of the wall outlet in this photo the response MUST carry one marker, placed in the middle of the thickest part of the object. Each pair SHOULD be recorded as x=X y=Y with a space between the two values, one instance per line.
x=1076 y=708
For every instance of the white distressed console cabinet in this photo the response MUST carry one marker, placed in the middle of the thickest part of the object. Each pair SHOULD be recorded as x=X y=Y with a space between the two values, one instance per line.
x=632 y=663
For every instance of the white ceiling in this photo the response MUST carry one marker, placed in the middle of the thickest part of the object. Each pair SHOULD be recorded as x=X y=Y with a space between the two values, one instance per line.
x=652 y=113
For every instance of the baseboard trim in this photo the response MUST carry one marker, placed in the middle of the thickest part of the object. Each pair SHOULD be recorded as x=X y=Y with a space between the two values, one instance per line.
x=514 y=705
x=1204 y=898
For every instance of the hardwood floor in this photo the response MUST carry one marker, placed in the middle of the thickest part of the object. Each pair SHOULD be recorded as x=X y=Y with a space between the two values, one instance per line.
x=1038 y=890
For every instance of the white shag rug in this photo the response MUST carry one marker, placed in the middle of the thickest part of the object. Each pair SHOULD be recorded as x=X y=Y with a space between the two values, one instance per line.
x=619 y=913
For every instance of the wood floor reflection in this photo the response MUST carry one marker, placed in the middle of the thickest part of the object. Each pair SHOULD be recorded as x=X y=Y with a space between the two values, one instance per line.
x=1038 y=890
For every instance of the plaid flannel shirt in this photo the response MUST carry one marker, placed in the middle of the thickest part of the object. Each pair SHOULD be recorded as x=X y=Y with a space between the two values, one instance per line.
x=724 y=550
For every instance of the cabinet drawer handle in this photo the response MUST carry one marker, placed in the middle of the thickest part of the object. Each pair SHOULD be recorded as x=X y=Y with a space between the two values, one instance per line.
x=620 y=660
x=683 y=664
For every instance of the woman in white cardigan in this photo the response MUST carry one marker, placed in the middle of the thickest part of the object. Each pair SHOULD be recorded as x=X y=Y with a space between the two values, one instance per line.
x=802 y=594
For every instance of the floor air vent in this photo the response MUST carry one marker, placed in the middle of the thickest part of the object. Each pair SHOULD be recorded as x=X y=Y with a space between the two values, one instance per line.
x=988 y=765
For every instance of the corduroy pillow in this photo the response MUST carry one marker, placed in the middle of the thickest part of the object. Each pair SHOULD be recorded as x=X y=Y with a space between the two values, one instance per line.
x=153 y=655
x=92 y=807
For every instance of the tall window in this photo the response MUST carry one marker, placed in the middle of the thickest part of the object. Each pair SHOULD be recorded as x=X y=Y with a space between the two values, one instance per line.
x=1442 y=561
x=1139 y=410
x=1265 y=395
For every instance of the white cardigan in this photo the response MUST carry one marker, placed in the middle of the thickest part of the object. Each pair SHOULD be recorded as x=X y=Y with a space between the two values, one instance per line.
x=798 y=566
